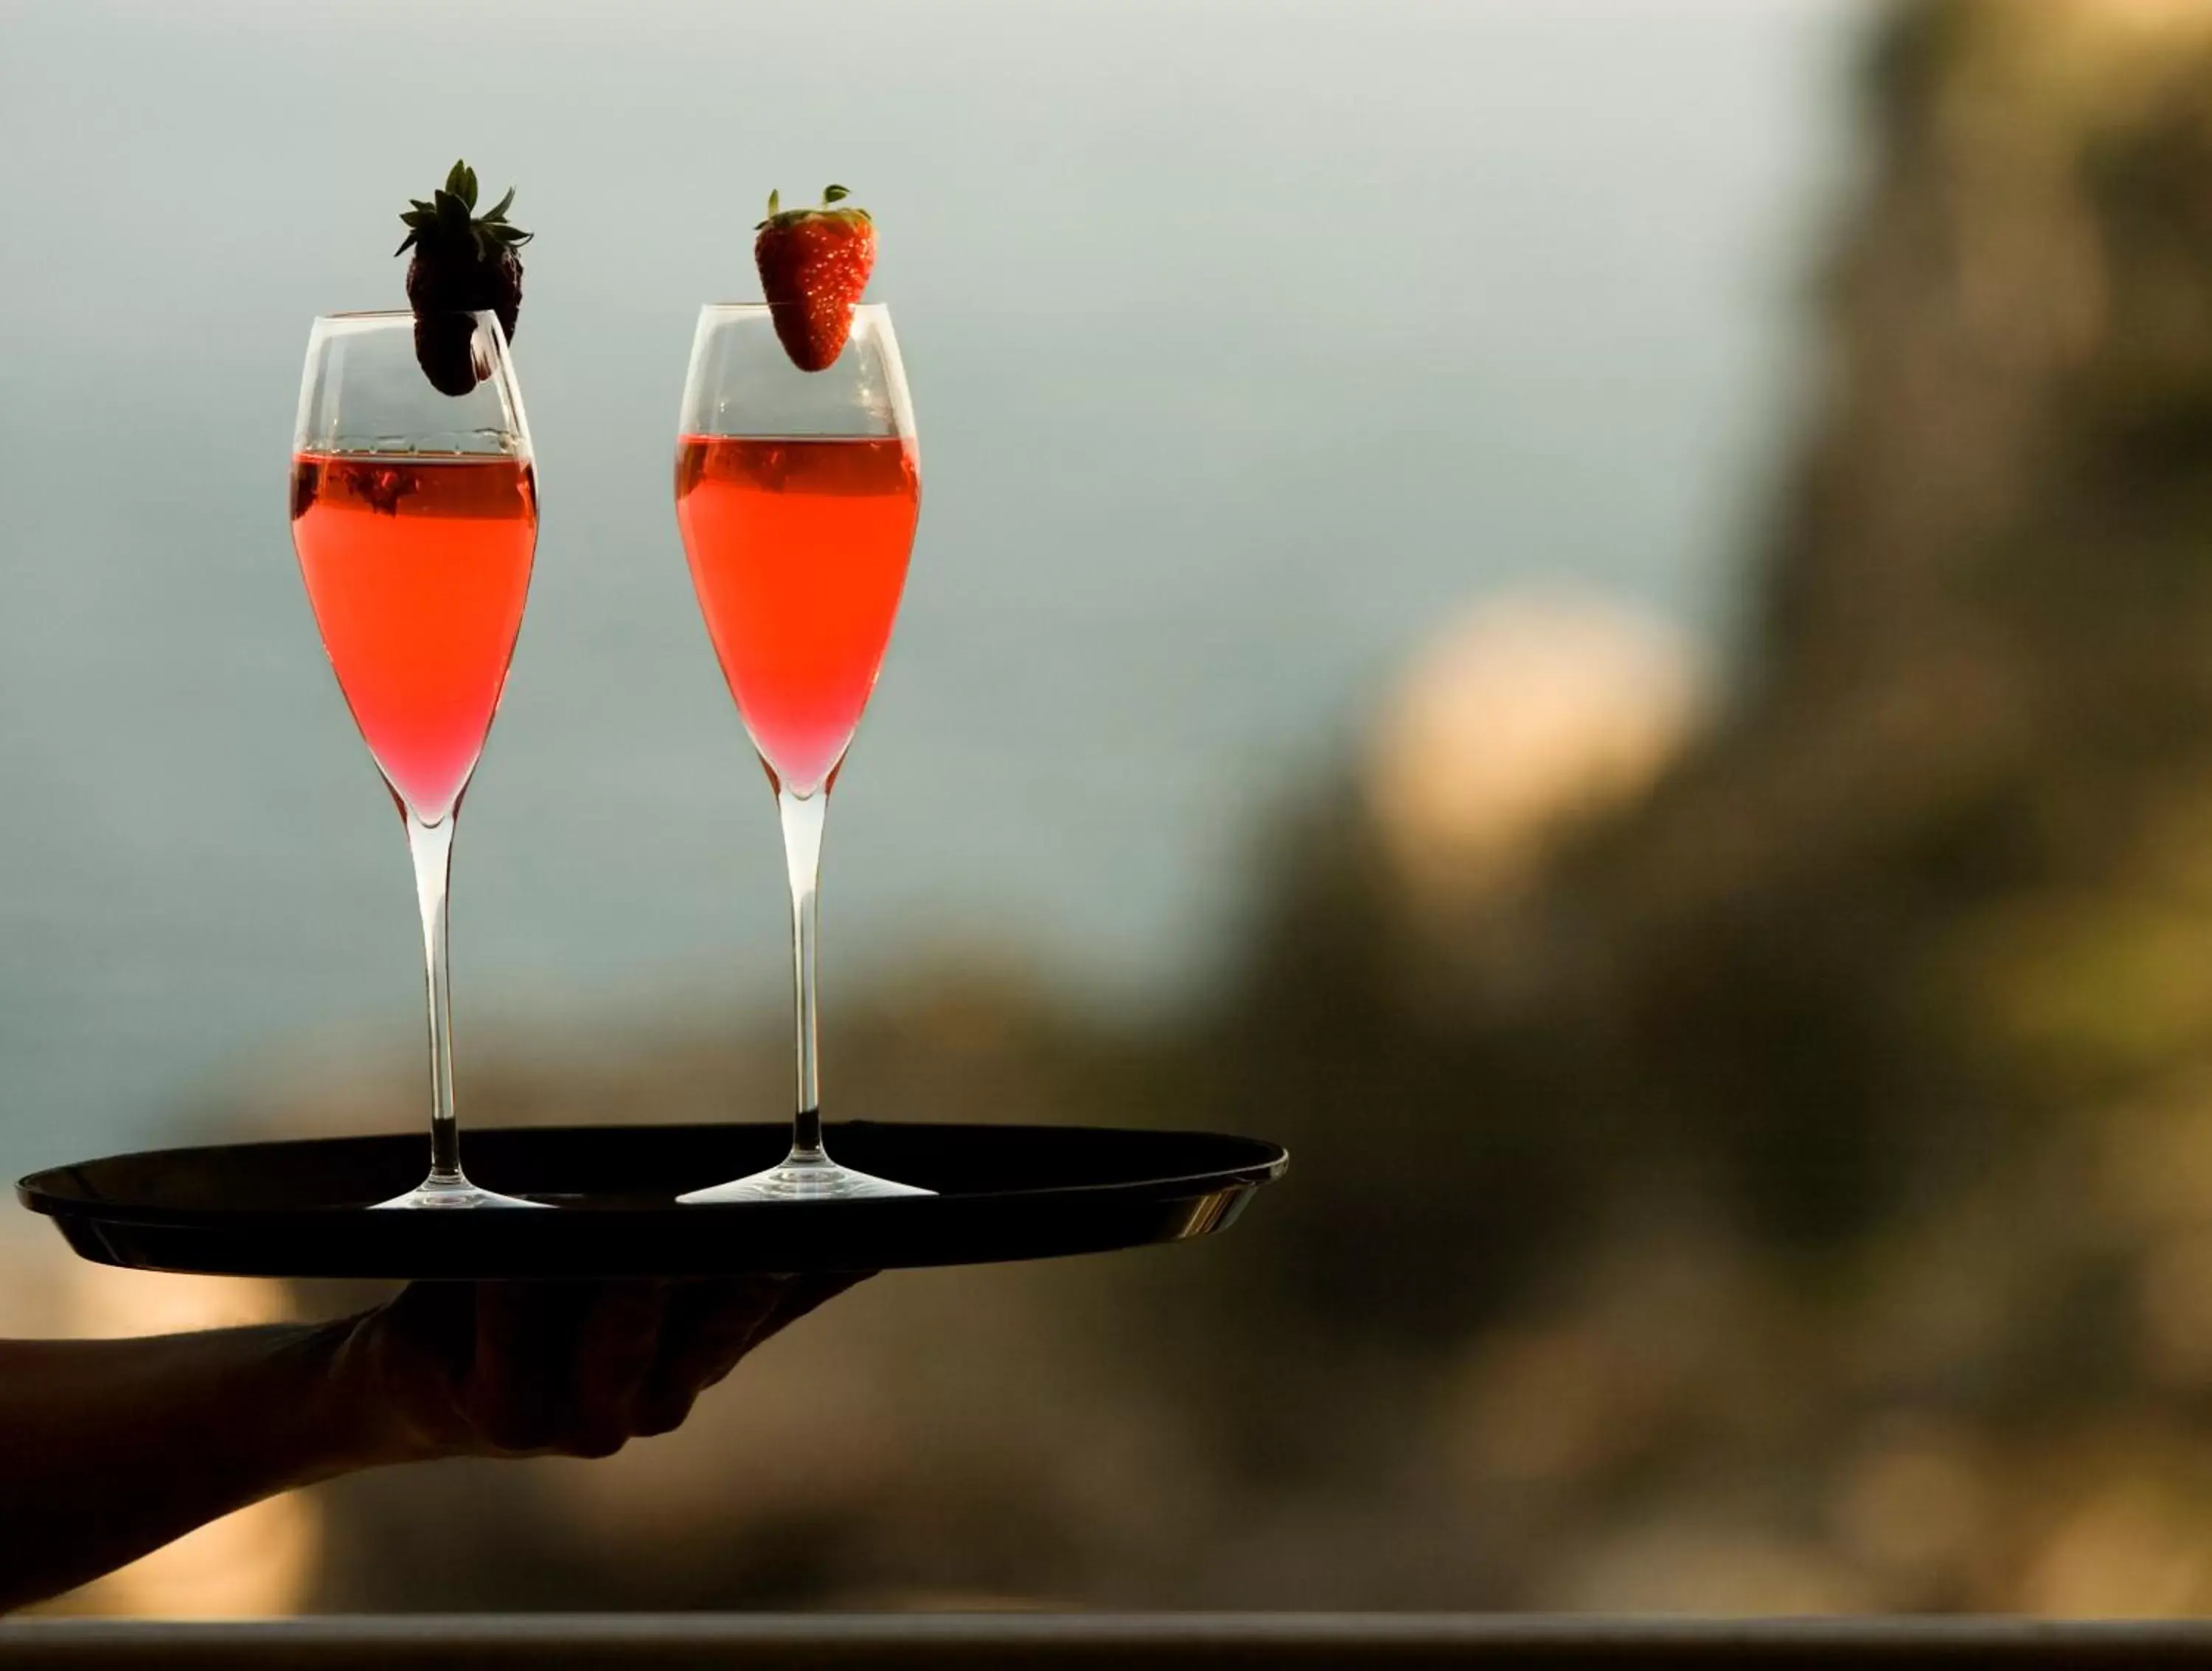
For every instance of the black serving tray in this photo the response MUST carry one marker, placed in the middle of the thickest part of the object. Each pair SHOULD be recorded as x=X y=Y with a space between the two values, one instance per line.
x=301 y=1209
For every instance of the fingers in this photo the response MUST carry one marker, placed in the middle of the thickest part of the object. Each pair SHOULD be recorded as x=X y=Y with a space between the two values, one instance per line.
x=520 y=1391
x=803 y=1294
x=731 y=1319
x=617 y=1345
x=579 y=1368
x=711 y=1324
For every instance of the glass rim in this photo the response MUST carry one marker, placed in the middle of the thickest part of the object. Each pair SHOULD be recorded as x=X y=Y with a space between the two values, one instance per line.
x=764 y=309
x=389 y=315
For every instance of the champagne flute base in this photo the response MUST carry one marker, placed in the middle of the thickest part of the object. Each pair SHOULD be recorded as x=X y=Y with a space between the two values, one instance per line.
x=802 y=1176
x=448 y=1195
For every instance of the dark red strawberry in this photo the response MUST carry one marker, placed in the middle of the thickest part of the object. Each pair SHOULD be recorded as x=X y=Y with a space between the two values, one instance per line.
x=464 y=263
x=814 y=263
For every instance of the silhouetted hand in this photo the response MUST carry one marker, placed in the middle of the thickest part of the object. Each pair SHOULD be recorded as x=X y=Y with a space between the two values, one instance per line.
x=569 y=1368
x=111 y=1448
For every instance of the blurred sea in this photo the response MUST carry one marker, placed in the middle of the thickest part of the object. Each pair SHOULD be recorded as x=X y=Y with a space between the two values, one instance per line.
x=1249 y=342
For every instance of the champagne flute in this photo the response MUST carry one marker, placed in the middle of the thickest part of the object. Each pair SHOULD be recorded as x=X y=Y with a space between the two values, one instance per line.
x=414 y=519
x=797 y=494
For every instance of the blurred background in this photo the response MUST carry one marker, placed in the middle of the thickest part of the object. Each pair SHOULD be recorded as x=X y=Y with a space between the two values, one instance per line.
x=1596 y=613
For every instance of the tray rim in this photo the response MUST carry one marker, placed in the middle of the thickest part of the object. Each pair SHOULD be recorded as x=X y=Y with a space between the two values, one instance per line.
x=1269 y=1161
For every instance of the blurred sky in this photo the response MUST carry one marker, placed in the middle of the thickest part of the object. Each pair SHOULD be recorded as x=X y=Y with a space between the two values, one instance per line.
x=1247 y=342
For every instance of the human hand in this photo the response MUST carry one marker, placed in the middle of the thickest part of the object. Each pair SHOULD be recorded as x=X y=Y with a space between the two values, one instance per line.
x=552 y=1369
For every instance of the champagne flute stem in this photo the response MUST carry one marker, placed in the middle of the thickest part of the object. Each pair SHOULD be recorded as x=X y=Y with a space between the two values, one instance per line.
x=431 y=847
x=803 y=817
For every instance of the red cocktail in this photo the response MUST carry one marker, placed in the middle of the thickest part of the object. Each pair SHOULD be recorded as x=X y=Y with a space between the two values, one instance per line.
x=417 y=570
x=799 y=551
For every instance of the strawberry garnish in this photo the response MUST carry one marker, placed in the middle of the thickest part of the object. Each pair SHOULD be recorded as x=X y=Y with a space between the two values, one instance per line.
x=814 y=263
x=464 y=263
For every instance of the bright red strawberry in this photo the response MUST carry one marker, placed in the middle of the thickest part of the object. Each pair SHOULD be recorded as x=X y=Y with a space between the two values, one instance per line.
x=464 y=263
x=814 y=263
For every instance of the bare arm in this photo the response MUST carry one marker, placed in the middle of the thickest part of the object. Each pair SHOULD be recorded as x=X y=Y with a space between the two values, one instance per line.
x=109 y=1449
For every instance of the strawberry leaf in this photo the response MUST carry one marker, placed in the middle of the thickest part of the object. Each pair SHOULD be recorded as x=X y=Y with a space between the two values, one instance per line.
x=445 y=228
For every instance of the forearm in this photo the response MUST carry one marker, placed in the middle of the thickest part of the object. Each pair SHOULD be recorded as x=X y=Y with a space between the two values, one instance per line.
x=109 y=1449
